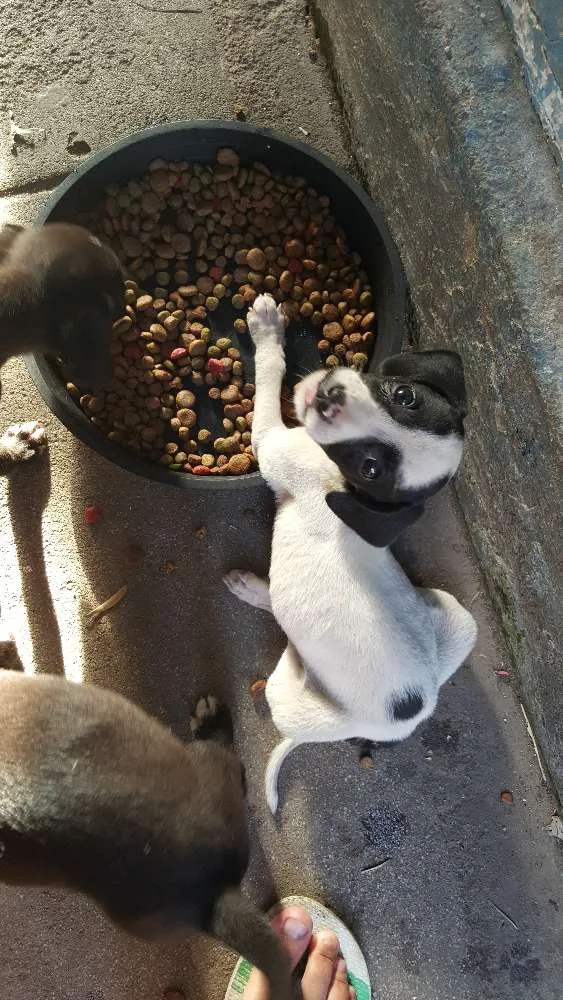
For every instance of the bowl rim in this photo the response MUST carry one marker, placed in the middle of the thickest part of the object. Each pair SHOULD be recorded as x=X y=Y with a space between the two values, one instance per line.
x=58 y=400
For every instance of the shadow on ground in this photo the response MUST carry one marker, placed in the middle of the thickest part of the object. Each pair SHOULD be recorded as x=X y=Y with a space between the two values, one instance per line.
x=29 y=489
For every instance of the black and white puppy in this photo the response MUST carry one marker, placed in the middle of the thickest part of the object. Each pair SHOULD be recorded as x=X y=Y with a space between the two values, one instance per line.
x=60 y=292
x=98 y=796
x=367 y=651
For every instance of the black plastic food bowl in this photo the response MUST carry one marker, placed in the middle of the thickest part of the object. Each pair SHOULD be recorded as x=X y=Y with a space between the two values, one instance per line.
x=198 y=142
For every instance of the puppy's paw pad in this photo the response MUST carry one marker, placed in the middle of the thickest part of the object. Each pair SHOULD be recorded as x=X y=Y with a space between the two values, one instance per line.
x=20 y=442
x=267 y=321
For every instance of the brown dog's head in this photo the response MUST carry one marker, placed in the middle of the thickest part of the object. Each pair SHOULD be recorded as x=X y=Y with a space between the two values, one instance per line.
x=70 y=292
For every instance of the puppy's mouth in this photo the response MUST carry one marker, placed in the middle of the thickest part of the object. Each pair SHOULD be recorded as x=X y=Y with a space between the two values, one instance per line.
x=317 y=395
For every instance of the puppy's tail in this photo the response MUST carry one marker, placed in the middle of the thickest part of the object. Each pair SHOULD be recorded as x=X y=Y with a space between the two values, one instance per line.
x=273 y=767
x=239 y=923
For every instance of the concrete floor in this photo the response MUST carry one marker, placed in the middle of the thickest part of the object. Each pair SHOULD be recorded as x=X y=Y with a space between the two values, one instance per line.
x=469 y=905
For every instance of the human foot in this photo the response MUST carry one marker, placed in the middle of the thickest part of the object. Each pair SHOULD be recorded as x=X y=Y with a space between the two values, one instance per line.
x=325 y=976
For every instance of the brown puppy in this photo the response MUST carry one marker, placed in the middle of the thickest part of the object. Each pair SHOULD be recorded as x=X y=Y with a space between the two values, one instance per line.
x=97 y=795
x=60 y=292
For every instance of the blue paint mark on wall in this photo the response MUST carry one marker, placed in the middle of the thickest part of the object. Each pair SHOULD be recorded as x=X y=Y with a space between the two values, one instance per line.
x=538 y=31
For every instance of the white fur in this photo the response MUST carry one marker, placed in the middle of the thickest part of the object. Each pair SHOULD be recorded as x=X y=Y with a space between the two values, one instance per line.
x=20 y=442
x=359 y=633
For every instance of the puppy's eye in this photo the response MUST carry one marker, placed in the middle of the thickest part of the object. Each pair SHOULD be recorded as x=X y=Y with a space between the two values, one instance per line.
x=369 y=468
x=404 y=395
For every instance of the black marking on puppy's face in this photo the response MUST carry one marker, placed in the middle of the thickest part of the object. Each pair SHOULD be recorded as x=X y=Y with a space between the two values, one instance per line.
x=423 y=390
x=368 y=464
x=405 y=705
x=373 y=468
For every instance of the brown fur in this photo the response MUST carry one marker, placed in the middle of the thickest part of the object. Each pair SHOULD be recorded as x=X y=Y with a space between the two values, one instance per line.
x=60 y=292
x=97 y=795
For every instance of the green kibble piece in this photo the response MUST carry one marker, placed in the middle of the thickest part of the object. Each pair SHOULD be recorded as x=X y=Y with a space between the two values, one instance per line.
x=204 y=435
x=214 y=351
x=166 y=460
x=175 y=466
x=223 y=343
x=240 y=423
x=332 y=361
x=212 y=303
x=239 y=325
x=238 y=301
x=228 y=425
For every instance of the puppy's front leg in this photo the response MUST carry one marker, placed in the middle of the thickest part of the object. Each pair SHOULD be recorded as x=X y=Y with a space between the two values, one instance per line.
x=267 y=323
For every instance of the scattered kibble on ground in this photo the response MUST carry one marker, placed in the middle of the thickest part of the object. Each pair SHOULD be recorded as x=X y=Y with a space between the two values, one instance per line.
x=92 y=514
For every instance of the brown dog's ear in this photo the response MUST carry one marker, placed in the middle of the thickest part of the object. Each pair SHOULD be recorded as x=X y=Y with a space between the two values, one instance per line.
x=8 y=234
x=82 y=337
x=442 y=371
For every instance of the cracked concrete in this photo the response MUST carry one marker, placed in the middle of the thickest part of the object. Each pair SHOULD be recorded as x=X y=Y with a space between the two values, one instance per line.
x=469 y=905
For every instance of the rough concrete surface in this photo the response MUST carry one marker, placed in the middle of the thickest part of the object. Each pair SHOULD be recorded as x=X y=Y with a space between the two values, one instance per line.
x=447 y=139
x=468 y=906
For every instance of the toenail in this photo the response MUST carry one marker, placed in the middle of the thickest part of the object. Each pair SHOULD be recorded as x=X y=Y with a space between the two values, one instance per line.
x=328 y=942
x=294 y=929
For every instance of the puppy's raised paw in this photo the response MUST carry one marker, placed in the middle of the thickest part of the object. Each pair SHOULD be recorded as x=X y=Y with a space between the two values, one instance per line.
x=20 y=442
x=212 y=721
x=267 y=321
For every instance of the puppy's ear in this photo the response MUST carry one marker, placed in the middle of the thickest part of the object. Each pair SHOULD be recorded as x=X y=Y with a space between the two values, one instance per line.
x=442 y=371
x=378 y=527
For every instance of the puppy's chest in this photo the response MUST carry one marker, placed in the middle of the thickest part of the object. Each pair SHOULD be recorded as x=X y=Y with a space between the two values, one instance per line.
x=295 y=465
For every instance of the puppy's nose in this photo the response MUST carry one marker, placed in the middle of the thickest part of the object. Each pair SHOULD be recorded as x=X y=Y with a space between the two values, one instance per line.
x=328 y=401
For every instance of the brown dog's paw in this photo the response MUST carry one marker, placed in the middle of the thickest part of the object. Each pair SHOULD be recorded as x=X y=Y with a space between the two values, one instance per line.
x=212 y=721
x=20 y=442
x=9 y=656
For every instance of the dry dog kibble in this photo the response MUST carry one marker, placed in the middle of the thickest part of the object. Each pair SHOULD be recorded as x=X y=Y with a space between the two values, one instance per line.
x=199 y=242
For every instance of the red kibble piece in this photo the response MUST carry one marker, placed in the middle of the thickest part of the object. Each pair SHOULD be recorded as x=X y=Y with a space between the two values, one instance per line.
x=216 y=273
x=92 y=514
x=295 y=265
x=133 y=352
x=215 y=366
x=179 y=352
x=201 y=470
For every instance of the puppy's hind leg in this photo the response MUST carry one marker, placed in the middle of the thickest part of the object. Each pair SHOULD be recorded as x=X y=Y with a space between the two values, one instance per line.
x=301 y=713
x=249 y=588
x=455 y=629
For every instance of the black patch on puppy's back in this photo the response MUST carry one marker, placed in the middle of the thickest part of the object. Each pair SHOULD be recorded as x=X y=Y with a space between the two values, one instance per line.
x=405 y=705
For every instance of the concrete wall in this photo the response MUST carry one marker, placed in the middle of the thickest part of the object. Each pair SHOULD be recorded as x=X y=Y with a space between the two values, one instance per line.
x=447 y=141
